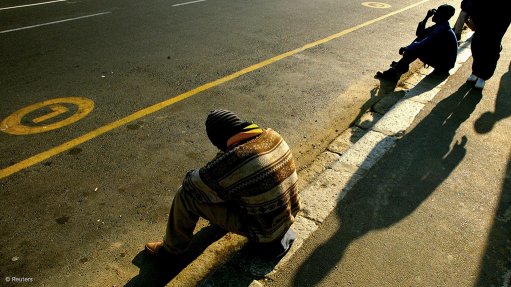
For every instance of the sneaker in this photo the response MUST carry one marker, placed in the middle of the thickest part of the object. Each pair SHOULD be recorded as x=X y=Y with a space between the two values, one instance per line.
x=479 y=84
x=472 y=78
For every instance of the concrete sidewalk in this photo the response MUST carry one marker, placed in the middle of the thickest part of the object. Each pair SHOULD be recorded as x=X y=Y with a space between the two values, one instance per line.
x=435 y=210
x=422 y=187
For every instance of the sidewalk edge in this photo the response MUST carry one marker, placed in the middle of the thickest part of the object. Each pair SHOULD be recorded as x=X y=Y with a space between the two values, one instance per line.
x=342 y=172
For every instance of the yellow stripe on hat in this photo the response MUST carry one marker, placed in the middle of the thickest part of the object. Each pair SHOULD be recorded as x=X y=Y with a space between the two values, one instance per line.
x=251 y=127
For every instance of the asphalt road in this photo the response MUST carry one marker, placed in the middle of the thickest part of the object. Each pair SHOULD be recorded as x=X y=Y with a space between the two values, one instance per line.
x=79 y=201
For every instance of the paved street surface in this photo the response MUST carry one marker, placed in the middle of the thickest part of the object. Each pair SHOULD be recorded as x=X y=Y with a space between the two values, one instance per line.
x=435 y=210
x=102 y=109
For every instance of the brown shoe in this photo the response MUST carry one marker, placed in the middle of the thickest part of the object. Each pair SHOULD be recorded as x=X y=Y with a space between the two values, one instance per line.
x=157 y=250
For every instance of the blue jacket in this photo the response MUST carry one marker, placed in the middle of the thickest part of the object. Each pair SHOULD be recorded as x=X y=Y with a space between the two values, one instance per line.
x=436 y=45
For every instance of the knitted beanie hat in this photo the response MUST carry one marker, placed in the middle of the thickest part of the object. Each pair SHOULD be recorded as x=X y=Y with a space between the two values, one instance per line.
x=222 y=125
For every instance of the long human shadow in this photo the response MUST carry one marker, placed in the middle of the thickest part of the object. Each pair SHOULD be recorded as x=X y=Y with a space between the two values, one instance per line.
x=399 y=182
x=487 y=121
x=496 y=262
x=158 y=273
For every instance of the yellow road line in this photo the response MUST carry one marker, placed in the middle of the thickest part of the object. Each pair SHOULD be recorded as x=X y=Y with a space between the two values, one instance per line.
x=154 y=108
x=57 y=110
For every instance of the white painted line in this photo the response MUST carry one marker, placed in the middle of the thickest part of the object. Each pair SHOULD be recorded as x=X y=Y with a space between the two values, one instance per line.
x=35 y=4
x=186 y=3
x=54 y=22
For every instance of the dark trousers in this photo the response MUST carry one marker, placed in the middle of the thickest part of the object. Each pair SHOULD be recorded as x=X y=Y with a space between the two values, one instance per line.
x=427 y=56
x=486 y=46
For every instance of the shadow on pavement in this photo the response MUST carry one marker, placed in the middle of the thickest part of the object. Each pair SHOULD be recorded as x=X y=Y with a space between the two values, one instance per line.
x=385 y=89
x=385 y=95
x=496 y=262
x=399 y=182
x=154 y=273
x=486 y=121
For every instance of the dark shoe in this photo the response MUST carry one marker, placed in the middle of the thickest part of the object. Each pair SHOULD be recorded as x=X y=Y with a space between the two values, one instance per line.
x=389 y=75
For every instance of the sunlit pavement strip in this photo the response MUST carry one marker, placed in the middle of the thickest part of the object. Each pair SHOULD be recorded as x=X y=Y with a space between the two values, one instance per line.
x=322 y=195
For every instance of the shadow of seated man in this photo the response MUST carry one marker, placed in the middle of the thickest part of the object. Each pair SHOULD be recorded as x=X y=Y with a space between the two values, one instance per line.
x=435 y=46
x=249 y=188
x=161 y=272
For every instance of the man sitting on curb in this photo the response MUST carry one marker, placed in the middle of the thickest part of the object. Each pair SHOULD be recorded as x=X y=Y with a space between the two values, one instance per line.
x=436 y=46
x=249 y=188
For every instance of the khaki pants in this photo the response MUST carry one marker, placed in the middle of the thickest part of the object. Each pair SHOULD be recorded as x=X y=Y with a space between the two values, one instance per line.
x=460 y=22
x=463 y=19
x=184 y=214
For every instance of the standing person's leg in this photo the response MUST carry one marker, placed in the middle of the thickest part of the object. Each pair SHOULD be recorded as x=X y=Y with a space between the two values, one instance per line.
x=460 y=23
x=485 y=53
x=477 y=48
x=486 y=46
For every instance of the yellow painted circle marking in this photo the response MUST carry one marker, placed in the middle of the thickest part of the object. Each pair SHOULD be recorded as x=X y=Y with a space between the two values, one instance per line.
x=377 y=5
x=13 y=124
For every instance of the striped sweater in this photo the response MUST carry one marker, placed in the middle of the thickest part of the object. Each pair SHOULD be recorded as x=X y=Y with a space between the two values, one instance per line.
x=258 y=178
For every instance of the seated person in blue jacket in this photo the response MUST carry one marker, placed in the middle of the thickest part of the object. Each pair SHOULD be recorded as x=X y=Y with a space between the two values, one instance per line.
x=435 y=46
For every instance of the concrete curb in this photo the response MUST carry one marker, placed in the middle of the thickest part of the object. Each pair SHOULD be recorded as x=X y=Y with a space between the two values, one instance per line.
x=345 y=164
x=350 y=165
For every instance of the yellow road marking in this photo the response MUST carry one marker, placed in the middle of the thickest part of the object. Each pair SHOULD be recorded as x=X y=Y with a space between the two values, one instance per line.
x=154 y=108
x=57 y=110
x=12 y=124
